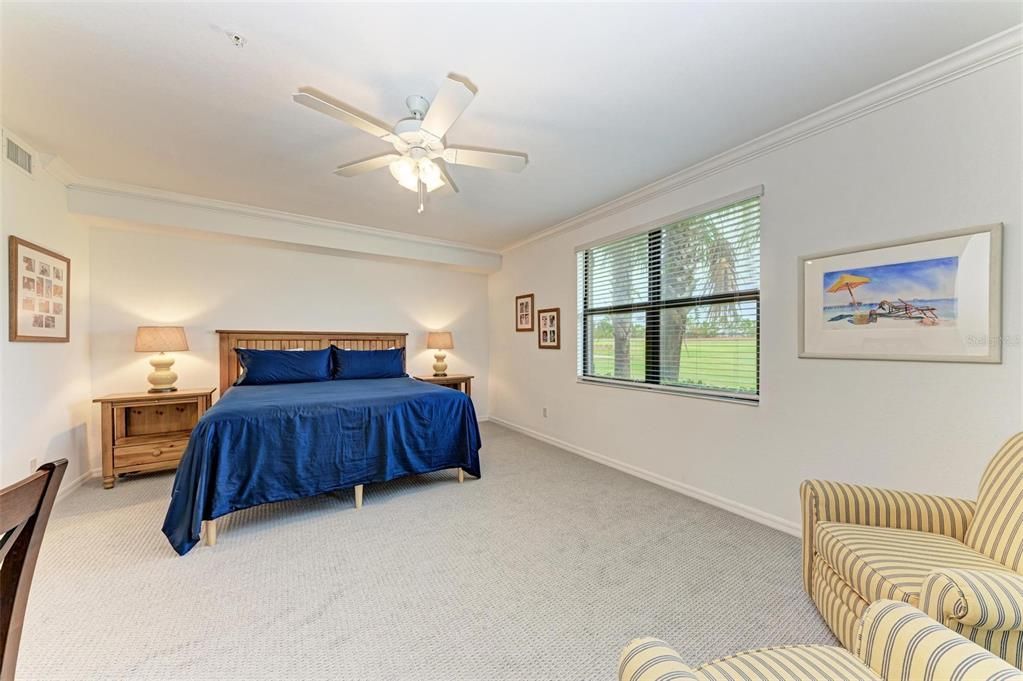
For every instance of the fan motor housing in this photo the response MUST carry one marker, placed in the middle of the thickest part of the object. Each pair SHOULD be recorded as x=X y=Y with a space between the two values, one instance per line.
x=417 y=105
x=407 y=126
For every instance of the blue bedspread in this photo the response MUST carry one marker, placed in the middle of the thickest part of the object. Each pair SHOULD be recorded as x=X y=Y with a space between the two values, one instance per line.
x=265 y=443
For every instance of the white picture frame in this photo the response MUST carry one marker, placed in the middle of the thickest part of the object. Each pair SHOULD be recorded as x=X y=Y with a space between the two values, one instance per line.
x=935 y=298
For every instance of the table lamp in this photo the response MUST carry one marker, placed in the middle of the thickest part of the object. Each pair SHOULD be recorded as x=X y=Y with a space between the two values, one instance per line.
x=440 y=341
x=161 y=339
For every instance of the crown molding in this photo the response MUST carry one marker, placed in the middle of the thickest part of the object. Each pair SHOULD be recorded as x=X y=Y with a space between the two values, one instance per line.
x=128 y=203
x=149 y=207
x=59 y=170
x=981 y=55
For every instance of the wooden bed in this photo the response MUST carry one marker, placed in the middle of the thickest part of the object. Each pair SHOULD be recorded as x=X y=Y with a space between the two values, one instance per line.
x=286 y=340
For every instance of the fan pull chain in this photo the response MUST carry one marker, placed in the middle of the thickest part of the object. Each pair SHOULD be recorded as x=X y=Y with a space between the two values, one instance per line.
x=421 y=207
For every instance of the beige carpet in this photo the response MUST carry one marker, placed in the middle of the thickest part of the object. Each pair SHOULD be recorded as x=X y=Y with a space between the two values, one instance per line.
x=541 y=570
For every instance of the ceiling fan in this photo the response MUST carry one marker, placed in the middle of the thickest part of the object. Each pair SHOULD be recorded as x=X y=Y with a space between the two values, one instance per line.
x=421 y=155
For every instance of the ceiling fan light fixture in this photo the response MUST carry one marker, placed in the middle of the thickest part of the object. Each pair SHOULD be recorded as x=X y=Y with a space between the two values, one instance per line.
x=421 y=158
x=429 y=173
x=408 y=172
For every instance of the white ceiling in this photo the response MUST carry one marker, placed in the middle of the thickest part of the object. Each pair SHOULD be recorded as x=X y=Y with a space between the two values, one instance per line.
x=603 y=98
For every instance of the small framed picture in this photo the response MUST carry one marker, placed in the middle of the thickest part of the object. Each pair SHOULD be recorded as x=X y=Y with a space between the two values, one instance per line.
x=34 y=311
x=524 y=312
x=549 y=334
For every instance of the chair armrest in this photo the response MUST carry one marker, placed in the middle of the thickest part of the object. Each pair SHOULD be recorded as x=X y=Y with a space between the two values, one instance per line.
x=827 y=501
x=899 y=642
x=649 y=659
x=982 y=599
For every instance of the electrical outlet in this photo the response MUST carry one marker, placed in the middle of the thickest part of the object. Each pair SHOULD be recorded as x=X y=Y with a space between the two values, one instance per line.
x=545 y=412
x=33 y=464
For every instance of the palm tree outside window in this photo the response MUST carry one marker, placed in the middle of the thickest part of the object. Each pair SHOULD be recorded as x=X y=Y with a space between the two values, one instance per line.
x=676 y=307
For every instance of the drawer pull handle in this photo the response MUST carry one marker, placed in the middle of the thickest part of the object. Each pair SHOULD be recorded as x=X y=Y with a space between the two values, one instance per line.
x=157 y=452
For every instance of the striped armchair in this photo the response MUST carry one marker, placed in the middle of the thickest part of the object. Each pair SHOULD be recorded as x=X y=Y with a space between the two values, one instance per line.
x=895 y=642
x=957 y=560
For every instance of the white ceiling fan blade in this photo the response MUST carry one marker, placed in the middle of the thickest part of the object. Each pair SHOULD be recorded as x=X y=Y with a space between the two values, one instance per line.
x=486 y=158
x=324 y=103
x=447 y=176
x=365 y=165
x=456 y=92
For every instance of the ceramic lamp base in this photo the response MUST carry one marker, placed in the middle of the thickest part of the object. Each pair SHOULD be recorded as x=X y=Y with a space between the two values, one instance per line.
x=440 y=367
x=162 y=379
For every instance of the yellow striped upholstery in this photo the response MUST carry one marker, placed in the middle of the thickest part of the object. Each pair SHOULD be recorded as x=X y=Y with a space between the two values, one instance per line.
x=985 y=607
x=879 y=562
x=898 y=641
x=997 y=529
x=825 y=501
x=650 y=659
x=854 y=530
x=988 y=600
x=838 y=603
x=787 y=663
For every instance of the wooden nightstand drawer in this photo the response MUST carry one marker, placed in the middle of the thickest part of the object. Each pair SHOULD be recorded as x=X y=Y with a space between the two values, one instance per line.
x=169 y=451
x=150 y=419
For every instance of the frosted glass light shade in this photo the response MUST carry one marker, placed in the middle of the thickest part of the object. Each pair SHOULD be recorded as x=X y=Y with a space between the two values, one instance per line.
x=160 y=339
x=408 y=172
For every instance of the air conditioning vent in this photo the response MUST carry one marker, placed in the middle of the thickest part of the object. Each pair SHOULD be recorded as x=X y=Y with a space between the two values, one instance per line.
x=18 y=156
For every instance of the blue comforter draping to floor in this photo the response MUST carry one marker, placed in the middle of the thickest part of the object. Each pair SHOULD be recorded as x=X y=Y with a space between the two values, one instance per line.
x=260 y=444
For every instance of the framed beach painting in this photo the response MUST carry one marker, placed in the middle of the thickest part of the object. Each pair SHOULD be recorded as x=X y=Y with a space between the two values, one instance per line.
x=936 y=299
x=524 y=312
x=39 y=293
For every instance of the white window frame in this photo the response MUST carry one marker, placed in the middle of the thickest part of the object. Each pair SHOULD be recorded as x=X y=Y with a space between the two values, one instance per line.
x=686 y=391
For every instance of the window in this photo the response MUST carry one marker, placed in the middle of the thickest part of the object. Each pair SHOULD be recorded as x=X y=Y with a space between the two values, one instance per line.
x=676 y=308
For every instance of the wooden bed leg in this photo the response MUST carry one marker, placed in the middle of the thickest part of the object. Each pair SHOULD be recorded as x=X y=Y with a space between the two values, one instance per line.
x=211 y=533
x=358 y=497
x=461 y=476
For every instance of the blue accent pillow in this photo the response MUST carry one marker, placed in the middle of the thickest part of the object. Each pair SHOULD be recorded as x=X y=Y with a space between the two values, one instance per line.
x=267 y=367
x=350 y=364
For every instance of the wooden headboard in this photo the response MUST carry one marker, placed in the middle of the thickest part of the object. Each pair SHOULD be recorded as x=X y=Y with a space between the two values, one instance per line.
x=285 y=340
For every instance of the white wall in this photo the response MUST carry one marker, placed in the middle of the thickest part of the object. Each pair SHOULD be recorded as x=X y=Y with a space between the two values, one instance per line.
x=161 y=277
x=946 y=158
x=45 y=402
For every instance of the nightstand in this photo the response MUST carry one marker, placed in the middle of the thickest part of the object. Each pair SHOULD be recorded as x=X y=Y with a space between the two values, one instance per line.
x=461 y=382
x=145 y=432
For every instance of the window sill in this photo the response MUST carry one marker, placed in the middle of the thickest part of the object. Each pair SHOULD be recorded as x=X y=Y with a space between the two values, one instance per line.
x=752 y=401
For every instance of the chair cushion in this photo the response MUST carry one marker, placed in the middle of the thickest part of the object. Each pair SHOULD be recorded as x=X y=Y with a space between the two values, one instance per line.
x=881 y=562
x=788 y=663
x=997 y=527
x=838 y=603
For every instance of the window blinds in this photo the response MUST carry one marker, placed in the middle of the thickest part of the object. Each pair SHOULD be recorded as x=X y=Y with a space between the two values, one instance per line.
x=676 y=307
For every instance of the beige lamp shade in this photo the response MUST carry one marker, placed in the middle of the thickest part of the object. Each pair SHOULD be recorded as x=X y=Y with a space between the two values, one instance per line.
x=160 y=339
x=439 y=340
